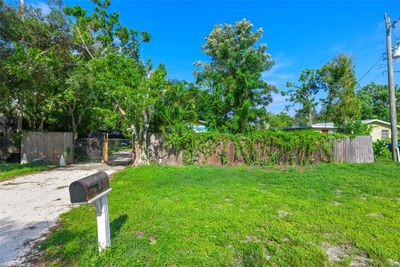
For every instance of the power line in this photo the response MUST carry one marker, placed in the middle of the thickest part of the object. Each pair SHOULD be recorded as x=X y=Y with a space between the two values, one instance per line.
x=369 y=70
x=379 y=76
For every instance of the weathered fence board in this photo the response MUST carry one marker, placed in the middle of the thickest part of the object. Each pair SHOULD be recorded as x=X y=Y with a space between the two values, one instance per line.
x=353 y=150
x=48 y=146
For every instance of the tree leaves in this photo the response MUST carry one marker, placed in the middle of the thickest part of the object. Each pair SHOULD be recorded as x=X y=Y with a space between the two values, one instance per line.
x=233 y=77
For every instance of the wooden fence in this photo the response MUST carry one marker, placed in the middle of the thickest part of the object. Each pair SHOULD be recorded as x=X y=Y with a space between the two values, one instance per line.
x=48 y=146
x=353 y=150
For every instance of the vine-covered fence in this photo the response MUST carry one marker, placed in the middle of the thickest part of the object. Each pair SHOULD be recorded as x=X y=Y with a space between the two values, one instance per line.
x=263 y=148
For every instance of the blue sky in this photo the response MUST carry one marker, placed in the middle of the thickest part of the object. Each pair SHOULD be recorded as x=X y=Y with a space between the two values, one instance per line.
x=299 y=34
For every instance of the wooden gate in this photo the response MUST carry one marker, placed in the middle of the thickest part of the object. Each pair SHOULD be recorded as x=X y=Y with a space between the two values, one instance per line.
x=48 y=146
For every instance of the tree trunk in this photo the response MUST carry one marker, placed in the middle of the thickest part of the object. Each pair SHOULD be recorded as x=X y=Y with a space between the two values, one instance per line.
x=74 y=123
x=41 y=125
x=73 y=126
x=139 y=150
x=310 y=118
x=139 y=156
x=19 y=116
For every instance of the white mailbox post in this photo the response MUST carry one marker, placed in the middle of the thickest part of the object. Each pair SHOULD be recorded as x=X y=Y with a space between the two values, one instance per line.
x=94 y=189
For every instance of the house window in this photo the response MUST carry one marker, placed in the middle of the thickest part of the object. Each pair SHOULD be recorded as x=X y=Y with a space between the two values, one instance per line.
x=384 y=134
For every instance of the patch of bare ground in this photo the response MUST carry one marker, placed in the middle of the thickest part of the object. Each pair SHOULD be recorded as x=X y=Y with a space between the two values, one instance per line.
x=346 y=252
x=250 y=238
x=393 y=263
x=35 y=256
x=283 y=213
x=375 y=215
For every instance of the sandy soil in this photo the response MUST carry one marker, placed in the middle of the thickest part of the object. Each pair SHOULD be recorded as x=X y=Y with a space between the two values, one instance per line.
x=31 y=204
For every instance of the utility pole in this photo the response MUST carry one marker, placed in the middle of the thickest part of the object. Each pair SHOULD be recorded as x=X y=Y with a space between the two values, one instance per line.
x=22 y=6
x=393 y=114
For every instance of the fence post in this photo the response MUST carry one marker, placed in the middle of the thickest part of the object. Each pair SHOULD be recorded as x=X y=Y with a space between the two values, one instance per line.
x=105 y=150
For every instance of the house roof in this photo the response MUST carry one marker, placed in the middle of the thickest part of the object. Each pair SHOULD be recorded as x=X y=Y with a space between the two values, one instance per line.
x=379 y=121
x=328 y=125
x=331 y=125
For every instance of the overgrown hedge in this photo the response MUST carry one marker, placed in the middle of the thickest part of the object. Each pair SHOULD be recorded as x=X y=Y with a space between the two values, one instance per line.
x=258 y=148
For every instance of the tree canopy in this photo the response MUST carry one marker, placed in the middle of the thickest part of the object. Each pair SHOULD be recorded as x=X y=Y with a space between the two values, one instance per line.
x=76 y=70
x=238 y=95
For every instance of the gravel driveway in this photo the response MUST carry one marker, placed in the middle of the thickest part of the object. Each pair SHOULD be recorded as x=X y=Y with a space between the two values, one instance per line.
x=31 y=204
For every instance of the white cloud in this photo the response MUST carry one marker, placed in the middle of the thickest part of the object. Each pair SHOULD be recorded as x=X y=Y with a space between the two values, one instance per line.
x=44 y=7
x=279 y=74
x=278 y=104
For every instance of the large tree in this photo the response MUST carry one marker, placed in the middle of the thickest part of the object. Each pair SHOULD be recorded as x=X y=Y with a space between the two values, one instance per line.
x=34 y=56
x=341 y=105
x=375 y=101
x=302 y=97
x=233 y=77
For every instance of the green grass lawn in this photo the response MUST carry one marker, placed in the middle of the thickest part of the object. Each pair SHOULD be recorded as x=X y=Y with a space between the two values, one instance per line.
x=240 y=216
x=12 y=170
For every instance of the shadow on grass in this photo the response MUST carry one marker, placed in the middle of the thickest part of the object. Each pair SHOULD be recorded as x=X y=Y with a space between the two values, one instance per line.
x=75 y=242
x=117 y=224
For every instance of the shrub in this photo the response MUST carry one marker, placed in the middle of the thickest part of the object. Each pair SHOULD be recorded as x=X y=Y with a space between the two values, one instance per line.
x=381 y=151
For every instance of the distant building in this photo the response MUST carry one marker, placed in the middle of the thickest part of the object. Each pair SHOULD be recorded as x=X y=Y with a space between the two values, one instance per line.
x=380 y=130
x=200 y=127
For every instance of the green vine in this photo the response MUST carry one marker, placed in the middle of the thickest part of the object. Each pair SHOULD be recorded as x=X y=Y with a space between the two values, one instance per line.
x=258 y=148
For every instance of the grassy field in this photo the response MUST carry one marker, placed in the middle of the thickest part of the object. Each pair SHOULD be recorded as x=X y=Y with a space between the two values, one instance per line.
x=12 y=170
x=328 y=214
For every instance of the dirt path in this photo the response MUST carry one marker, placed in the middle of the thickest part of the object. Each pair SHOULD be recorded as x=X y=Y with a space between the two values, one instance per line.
x=31 y=204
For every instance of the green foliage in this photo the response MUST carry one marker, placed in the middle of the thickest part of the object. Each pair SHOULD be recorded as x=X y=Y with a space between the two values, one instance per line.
x=16 y=139
x=73 y=70
x=291 y=147
x=278 y=121
x=356 y=128
x=338 y=79
x=233 y=79
x=375 y=101
x=381 y=151
x=303 y=95
x=238 y=216
x=95 y=34
x=176 y=108
x=33 y=62
x=79 y=70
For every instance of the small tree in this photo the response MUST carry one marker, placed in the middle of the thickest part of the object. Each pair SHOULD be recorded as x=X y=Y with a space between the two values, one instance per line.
x=303 y=95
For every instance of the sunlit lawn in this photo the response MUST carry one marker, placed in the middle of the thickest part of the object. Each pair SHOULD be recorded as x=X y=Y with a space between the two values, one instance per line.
x=240 y=216
x=12 y=170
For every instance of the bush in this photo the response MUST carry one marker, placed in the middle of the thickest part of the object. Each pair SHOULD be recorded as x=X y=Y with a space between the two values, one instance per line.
x=381 y=151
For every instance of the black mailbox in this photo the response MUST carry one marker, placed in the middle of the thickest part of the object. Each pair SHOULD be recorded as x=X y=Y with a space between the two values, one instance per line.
x=89 y=188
